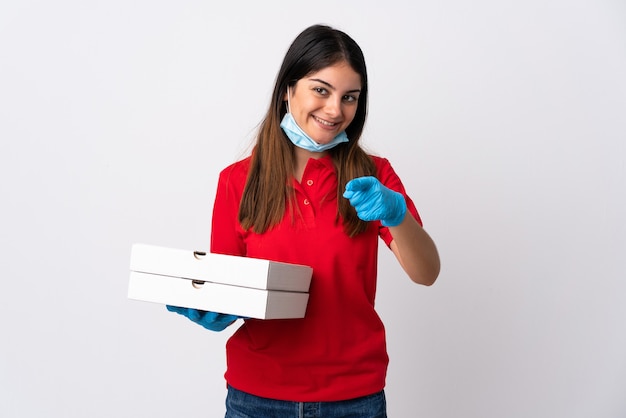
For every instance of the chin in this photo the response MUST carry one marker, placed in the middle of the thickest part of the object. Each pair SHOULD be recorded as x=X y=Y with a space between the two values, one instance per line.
x=324 y=139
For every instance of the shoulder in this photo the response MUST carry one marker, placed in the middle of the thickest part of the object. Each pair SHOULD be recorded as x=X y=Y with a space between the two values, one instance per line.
x=386 y=173
x=378 y=160
x=383 y=166
x=237 y=170
x=233 y=178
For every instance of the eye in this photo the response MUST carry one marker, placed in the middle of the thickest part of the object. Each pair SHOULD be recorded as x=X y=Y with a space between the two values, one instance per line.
x=350 y=98
x=320 y=90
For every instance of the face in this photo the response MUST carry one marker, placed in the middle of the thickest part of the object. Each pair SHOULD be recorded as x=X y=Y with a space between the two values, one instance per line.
x=324 y=103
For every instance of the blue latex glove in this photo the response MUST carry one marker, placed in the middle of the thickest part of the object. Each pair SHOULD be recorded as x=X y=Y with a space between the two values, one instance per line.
x=210 y=320
x=373 y=201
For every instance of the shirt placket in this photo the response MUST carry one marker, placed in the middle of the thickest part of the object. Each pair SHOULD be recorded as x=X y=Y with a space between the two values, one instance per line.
x=307 y=194
x=305 y=203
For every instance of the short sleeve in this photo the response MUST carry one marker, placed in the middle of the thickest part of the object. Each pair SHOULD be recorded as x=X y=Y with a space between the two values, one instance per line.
x=226 y=231
x=387 y=176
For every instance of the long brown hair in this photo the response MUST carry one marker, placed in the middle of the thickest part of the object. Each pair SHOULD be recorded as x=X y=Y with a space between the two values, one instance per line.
x=268 y=191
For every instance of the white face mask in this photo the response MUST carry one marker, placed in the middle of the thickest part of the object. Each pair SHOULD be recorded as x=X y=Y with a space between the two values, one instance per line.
x=300 y=139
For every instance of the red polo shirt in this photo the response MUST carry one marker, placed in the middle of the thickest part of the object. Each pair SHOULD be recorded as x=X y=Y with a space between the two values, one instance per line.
x=338 y=350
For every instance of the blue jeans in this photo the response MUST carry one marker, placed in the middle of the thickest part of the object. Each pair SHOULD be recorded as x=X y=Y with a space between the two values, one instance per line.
x=243 y=405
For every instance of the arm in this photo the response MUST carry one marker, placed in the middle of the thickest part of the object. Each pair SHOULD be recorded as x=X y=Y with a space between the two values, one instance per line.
x=415 y=250
x=412 y=246
x=224 y=240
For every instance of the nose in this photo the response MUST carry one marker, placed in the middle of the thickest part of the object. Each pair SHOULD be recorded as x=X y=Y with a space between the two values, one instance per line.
x=333 y=107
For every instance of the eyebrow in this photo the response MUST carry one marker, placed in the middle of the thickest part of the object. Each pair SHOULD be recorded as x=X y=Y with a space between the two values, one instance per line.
x=331 y=86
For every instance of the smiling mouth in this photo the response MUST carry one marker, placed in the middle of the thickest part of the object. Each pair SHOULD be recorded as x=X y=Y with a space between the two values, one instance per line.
x=324 y=122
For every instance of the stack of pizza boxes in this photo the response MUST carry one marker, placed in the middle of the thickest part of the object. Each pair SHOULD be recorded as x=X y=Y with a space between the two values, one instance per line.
x=243 y=286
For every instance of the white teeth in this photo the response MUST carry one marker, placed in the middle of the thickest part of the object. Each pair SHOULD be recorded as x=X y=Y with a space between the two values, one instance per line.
x=323 y=122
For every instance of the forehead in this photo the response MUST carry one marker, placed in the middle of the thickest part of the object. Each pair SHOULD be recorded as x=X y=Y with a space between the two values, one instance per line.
x=341 y=76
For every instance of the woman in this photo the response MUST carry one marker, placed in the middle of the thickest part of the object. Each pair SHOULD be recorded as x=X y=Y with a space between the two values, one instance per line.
x=309 y=194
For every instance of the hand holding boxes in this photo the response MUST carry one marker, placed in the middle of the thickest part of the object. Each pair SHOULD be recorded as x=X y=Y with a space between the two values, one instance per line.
x=241 y=286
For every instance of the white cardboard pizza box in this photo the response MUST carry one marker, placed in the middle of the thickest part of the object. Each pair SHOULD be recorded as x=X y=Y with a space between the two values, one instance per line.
x=241 y=286
x=235 y=300
x=219 y=268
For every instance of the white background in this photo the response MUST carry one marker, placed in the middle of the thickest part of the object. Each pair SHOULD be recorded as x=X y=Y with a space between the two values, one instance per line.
x=505 y=120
